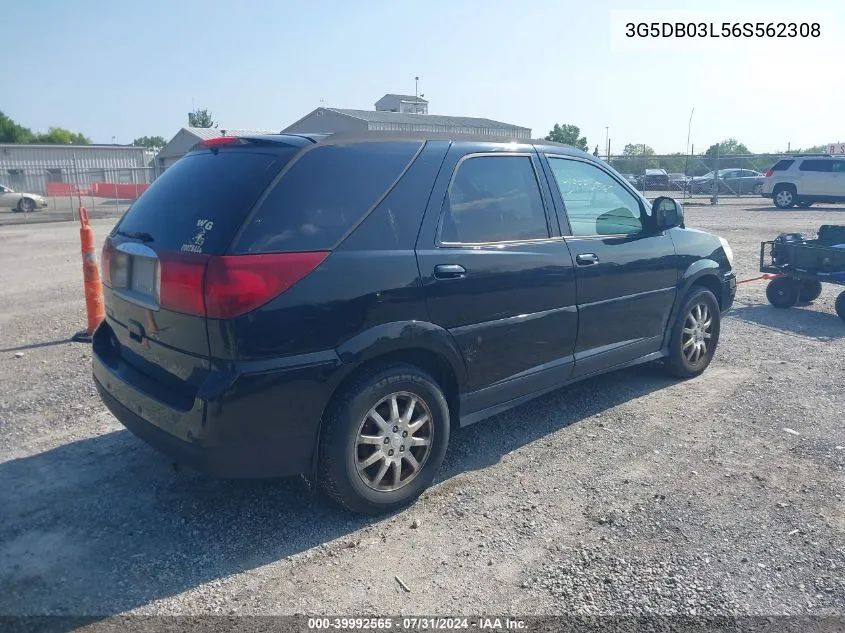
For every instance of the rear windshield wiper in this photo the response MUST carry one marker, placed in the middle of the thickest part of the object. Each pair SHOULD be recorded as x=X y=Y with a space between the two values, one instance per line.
x=136 y=235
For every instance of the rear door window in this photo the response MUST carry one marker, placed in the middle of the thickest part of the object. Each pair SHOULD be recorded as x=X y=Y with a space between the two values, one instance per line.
x=199 y=202
x=326 y=192
x=816 y=165
x=493 y=199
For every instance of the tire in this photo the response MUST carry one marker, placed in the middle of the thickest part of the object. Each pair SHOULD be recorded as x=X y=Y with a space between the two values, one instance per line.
x=355 y=413
x=694 y=334
x=784 y=196
x=839 y=306
x=26 y=205
x=805 y=204
x=757 y=190
x=783 y=292
x=809 y=291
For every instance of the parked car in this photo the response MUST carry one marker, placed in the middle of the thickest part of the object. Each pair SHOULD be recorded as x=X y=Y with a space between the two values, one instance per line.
x=631 y=178
x=20 y=201
x=731 y=182
x=803 y=180
x=337 y=305
x=654 y=180
x=678 y=182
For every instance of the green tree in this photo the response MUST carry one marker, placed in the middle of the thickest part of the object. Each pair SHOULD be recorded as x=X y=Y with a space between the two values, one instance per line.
x=201 y=118
x=12 y=132
x=151 y=142
x=815 y=149
x=568 y=135
x=61 y=136
x=637 y=149
x=728 y=147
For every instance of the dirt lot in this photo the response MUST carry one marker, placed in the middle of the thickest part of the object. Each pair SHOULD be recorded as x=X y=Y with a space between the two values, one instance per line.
x=631 y=493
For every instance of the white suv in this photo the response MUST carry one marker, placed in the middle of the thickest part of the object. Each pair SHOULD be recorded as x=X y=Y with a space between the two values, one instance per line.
x=803 y=180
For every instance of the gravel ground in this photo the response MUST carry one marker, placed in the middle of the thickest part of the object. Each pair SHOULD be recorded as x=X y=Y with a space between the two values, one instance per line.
x=626 y=494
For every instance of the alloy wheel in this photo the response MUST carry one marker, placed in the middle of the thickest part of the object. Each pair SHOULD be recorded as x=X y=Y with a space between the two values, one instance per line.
x=393 y=441
x=698 y=330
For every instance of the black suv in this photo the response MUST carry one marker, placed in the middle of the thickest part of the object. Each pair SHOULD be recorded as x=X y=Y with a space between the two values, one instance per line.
x=336 y=305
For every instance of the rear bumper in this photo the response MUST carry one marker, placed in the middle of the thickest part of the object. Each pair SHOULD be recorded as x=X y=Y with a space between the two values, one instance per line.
x=225 y=463
x=262 y=421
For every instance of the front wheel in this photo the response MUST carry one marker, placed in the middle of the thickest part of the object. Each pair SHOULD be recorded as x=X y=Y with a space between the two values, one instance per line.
x=26 y=205
x=783 y=292
x=383 y=439
x=695 y=335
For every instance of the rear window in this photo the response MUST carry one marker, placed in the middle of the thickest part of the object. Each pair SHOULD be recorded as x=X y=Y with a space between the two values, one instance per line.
x=199 y=202
x=782 y=165
x=816 y=165
x=325 y=193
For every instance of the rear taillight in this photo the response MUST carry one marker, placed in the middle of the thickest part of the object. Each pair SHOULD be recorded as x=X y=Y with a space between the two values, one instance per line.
x=105 y=262
x=223 y=287
x=769 y=173
x=181 y=281
x=237 y=284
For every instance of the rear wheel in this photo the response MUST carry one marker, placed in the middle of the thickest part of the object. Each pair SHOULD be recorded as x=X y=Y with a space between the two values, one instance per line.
x=695 y=335
x=809 y=291
x=784 y=197
x=383 y=439
x=783 y=292
x=757 y=190
x=840 y=305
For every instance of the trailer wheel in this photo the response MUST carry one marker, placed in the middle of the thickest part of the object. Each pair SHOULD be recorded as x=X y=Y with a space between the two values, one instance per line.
x=840 y=305
x=783 y=292
x=809 y=291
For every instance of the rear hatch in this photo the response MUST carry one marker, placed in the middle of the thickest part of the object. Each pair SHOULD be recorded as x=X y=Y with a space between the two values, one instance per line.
x=159 y=261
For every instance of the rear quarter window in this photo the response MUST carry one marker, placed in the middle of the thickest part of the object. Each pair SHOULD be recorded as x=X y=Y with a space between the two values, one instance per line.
x=326 y=192
x=199 y=202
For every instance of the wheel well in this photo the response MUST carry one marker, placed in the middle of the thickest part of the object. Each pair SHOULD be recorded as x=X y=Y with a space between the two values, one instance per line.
x=712 y=284
x=784 y=185
x=430 y=362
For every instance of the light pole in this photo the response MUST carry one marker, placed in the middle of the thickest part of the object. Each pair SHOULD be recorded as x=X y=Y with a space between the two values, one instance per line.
x=416 y=87
x=607 y=142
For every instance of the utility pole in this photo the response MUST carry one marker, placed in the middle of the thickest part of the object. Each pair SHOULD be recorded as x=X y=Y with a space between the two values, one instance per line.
x=416 y=87
x=607 y=141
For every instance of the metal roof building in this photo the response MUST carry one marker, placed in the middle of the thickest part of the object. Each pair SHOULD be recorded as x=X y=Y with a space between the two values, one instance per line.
x=402 y=113
x=187 y=137
x=26 y=167
x=329 y=120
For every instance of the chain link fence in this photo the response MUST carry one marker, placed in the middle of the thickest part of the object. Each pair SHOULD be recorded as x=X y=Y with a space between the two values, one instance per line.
x=695 y=176
x=55 y=193
x=51 y=194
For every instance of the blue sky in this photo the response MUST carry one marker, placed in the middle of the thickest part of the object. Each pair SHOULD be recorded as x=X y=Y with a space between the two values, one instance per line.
x=126 y=69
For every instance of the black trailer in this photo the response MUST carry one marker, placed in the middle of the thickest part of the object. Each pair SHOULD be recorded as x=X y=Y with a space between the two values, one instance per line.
x=803 y=265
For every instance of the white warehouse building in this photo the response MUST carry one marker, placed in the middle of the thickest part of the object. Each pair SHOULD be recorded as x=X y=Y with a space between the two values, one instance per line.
x=45 y=169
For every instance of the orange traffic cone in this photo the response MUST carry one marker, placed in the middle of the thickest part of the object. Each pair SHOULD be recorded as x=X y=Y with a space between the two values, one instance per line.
x=94 y=305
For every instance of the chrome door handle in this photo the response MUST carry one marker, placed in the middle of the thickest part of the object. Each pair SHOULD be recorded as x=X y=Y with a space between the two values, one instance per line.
x=586 y=259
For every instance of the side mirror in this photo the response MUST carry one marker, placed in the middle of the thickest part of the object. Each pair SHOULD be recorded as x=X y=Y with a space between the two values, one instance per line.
x=668 y=213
